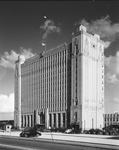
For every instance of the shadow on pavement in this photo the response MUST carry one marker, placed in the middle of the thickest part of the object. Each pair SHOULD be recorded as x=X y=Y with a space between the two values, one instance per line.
x=114 y=137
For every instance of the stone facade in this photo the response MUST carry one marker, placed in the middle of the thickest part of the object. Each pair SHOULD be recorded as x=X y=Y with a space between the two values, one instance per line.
x=45 y=88
x=87 y=101
x=64 y=85
x=111 y=119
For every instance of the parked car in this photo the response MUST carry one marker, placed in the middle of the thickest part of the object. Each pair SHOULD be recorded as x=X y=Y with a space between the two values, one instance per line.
x=72 y=131
x=86 y=132
x=99 y=131
x=92 y=131
x=30 y=131
x=112 y=130
x=68 y=131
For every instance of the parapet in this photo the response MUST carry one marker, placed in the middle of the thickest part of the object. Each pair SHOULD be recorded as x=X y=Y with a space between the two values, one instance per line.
x=82 y=28
x=21 y=59
x=97 y=36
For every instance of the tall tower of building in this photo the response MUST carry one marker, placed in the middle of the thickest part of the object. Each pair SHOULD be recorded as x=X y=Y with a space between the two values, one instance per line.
x=17 y=109
x=87 y=100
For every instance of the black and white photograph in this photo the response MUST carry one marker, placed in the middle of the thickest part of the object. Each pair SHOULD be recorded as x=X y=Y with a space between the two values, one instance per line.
x=59 y=75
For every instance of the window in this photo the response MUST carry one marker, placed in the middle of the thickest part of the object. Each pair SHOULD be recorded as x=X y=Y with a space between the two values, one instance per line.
x=76 y=116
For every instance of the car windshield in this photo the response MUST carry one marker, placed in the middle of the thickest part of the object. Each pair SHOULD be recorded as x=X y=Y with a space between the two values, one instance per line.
x=28 y=129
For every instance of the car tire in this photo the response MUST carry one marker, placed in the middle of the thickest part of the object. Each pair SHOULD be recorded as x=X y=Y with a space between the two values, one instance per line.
x=25 y=135
x=37 y=135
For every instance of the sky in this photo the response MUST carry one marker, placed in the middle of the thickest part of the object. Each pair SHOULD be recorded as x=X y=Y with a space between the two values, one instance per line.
x=24 y=25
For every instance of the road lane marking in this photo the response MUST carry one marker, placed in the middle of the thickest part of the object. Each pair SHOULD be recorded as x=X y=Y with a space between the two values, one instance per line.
x=16 y=147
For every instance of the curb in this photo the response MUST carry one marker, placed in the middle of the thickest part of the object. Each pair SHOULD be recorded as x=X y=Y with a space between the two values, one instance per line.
x=56 y=141
x=78 y=135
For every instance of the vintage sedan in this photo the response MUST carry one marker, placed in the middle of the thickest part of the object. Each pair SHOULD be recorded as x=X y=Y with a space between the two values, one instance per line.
x=30 y=132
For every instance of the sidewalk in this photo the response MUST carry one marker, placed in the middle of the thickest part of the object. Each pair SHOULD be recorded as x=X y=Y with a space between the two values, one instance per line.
x=103 y=141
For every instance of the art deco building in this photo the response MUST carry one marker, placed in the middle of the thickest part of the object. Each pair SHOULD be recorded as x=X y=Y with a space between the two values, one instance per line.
x=62 y=86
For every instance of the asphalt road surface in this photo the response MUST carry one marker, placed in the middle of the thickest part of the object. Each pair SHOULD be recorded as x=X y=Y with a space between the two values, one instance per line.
x=27 y=144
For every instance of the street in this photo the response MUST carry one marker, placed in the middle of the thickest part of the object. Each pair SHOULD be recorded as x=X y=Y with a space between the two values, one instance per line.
x=27 y=144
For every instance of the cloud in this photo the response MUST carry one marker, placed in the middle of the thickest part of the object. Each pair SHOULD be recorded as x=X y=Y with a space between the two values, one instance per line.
x=111 y=105
x=107 y=30
x=107 y=44
x=48 y=28
x=111 y=78
x=112 y=68
x=27 y=53
x=7 y=103
x=112 y=83
x=8 y=59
